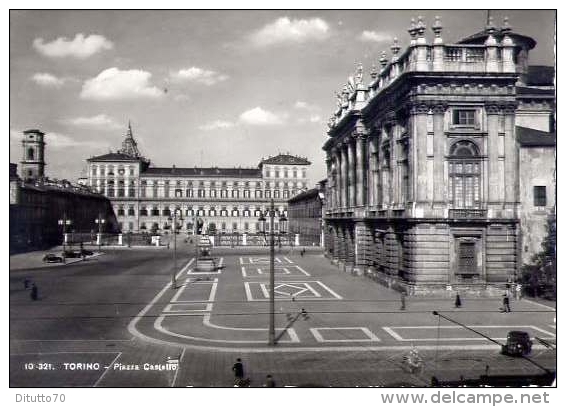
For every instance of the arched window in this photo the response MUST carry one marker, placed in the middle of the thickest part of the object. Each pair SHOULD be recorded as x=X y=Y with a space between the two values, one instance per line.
x=464 y=175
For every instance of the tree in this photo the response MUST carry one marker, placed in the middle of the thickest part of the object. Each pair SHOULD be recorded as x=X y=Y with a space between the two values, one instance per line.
x=539 y=278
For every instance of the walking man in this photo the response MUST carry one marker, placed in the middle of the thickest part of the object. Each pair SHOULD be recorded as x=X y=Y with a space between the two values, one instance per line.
x=506 y=307
x=458 y=302
x=403 y=299
x=33 y=293
x=238 y=369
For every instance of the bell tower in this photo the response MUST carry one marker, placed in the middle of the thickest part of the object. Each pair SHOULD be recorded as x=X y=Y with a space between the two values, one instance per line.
x=32 y=165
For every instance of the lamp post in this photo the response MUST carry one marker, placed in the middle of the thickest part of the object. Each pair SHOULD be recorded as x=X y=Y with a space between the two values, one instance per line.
x=262 y=220
x=99 y=221
x=174 y=219
x=64 y=223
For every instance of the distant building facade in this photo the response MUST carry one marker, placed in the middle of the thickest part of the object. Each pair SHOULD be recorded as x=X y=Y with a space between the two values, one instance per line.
x=427 y=188
x=229 y=200
x=305 y=215
x=37 y=203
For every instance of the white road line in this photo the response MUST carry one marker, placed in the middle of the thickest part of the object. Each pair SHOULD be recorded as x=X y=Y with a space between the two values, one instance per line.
x=178 y=367
x=59 y=353
x=169 y=308
x=187 y=265
x=241 y=261
x=248 y=292
x=278 y=260
x=221 y=262
x=212 y=295
x=371 y=337
x=244 y=272
x=316 y=294
x=539 y=304
x=304 y=272
x=132 y=325
x=392 y=333
x=329 y=290
x=106 y=371
x=178 y=293
x=289 y=261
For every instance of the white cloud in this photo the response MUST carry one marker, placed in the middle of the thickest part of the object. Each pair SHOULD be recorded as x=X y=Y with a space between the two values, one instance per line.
x=99 y=121
x=315 y=119
x=199 y=75
x=113 y=83
x=299 y=104
x=260 y=117
x=47 y=80
x=80 y=47
x=217 y=124
x=374 y=36
x=285 y=30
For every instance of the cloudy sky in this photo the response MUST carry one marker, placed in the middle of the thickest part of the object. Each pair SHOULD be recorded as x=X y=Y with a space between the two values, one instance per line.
x=205 y=88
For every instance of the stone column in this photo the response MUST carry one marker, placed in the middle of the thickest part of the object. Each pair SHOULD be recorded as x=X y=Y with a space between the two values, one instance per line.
x=439 y=146
x=329 y=182
x=371 y=173
x=494 y=183
x=419 y=130
x=384 y=163
x=351 y=173
x=344 y=176
x=491 y=61
x=511 y=157
x=361 y=167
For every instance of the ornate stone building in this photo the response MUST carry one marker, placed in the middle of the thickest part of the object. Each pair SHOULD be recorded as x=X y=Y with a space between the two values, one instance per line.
x=37 y=203
x=423 y=162
x=227 y=199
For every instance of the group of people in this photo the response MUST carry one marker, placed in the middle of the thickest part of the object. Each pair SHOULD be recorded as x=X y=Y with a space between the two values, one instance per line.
x=458 y=301
x=240 y=381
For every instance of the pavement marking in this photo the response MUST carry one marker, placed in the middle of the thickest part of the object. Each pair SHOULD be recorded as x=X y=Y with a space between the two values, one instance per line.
x=297 y=289
x=187 y=265
x=158 y=326
x=552 y=326
x=178 y=367
x=289 y=261
x=539 y=304
x=182 y=289
x=371 y=337
x=169 y=307
x=107 y=368
x=132 y=325
x=305 y=273
x=397 y=336
x=59 y=353
x=241 y=261
x=244 y=272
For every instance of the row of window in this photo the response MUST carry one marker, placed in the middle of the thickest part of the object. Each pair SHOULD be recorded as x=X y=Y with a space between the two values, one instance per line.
x=212 y=212
x=189 y=226
x=283 y=173
x=101 y=171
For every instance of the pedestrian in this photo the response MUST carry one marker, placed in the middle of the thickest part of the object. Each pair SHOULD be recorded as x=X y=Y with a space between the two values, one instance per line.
x=33 y=293
x=458 y=302
x=506 y=307
x=403 y=299
x=269 y=382
x=238 y=369
x=519 y=291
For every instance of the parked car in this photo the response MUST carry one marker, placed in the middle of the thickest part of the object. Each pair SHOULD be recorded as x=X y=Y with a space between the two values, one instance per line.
x=86 y=252
x=72 y=254
x=52 y=258
x=518 y=344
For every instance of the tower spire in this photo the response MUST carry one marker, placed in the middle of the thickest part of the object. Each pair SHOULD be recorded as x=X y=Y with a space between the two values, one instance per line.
x=129 y=145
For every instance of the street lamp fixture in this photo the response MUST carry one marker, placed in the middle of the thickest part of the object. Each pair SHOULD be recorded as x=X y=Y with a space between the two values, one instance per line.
x=174 y=220
x=64 y=222
x=100 y=221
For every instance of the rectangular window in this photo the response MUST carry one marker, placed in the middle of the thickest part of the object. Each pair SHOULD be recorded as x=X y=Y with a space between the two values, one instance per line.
x=464 y=117
x=467 y=258
x=131 y=225
x=539 y=195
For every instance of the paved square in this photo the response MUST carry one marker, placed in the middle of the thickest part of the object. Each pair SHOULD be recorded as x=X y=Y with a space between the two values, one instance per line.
x=264 y=260
x=304 y=290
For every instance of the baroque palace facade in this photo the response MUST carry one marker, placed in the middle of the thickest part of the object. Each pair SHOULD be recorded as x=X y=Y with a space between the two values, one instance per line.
x=429 y=166
x=228 y=200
